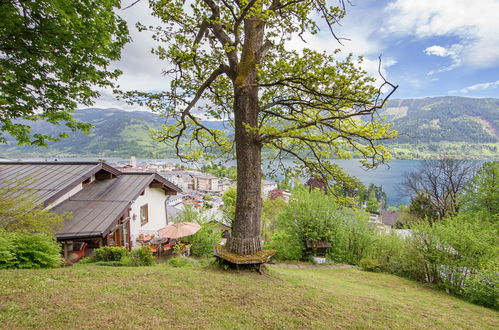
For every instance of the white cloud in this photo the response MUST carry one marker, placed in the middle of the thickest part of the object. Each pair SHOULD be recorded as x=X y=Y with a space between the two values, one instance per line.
x=474 y=23
x=141 y=70
x=453 y=52
x=477 y=87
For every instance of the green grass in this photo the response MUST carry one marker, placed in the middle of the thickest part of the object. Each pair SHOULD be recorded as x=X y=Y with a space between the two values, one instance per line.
x=89 y=296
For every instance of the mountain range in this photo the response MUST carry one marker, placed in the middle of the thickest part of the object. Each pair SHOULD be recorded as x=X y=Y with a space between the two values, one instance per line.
x=466 y=127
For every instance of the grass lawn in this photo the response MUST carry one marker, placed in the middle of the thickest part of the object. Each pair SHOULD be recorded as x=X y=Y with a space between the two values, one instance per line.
x=88 y=296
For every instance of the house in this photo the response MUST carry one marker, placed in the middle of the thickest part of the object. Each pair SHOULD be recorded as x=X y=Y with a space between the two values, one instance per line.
x=107 y=206
x=389 y=218
x=268 y=186
x=206 y=183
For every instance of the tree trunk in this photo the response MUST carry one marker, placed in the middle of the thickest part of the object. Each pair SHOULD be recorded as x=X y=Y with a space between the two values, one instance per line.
x=245 y=237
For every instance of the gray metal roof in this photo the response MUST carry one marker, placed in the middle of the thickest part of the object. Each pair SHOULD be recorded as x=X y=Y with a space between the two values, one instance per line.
x=97 y=208
x=47 y=181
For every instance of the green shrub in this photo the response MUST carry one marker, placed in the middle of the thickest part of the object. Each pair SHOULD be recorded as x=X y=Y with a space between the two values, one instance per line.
x=391 y=254
x=19 y=250
x=182 y=262
x=141 y=256
x=86 y=260
x=455 y=247
x=110 y=253
x=315 y=216
x=288 y=246
x=202 y=241
x=370 y=263
x=483 y=288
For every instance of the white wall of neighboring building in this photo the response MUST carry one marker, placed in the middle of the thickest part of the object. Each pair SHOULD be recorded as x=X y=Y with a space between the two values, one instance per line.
x=155 y=199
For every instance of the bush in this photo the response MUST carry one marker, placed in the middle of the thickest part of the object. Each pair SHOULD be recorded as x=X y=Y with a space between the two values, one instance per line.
x=454 y=248
x=118 y=256
x=86 y=260
x=142 y=256
x=27 y=251
x=110 y=253
x=483 y=288
x=202 y=241
x=391 y=254
x=288 y=246
x=315 y=216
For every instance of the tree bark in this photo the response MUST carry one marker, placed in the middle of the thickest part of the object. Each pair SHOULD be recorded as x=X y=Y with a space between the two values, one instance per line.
x=245 y=237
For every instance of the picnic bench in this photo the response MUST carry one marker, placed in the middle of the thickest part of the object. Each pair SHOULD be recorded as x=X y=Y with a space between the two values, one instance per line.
x=258 y=259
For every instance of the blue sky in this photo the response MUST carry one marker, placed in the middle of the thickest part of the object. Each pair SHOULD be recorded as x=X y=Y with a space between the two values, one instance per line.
x=428 y=47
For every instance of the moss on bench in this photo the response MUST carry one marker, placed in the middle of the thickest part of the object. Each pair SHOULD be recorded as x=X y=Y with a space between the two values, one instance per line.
x=260 y=257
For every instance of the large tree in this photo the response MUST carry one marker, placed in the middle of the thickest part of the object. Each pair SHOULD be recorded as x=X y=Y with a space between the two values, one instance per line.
x=231 y=60
x=54 y=55
x=435 y=186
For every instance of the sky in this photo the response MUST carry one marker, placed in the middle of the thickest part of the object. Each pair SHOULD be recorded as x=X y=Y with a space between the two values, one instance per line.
x=428 y=47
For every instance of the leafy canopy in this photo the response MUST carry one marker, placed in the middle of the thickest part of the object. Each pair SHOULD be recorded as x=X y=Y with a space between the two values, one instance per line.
x=312 y=106
x=54 y=55
x=19 y=213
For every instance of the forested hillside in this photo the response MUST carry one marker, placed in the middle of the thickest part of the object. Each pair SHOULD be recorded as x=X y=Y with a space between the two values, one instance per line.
x=427 y=127
x=445 y=119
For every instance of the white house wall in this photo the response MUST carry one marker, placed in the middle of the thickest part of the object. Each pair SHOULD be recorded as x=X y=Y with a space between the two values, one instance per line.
x=155 y=198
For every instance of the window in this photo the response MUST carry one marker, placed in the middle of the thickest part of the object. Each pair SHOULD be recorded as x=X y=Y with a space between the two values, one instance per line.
x=144 y=215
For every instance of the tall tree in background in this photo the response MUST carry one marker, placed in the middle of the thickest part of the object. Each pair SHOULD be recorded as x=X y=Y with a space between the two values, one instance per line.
x=54 y=55
x=435 y=186
x=230 y=60
x=482 y=192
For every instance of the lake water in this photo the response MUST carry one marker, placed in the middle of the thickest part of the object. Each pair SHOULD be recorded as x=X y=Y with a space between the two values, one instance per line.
x=388 y=176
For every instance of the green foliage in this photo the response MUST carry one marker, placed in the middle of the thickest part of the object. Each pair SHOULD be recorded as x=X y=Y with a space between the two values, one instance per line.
x=55 y=55
x=270 y=214
x=110 y=253
x=26 y=251
x=119 y=256
x=188 y=214
x=422 y=207
x=19 y=213
x=229 y=199
x=374 y=197
x=221 y=171
x=289 y=246
x=86 y=260
x=202 y=241
x=315 y=216
x=460 y=255
x=142 y=256
x=452 y=249
x=389 y=253
x=482 y=288
x=436 y=120
x=482 y=193
x=372 y=205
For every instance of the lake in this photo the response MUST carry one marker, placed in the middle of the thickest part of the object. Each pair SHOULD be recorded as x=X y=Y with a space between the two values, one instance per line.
x=388 y=176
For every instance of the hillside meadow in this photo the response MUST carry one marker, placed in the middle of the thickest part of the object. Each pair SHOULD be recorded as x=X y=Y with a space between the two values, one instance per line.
x=90 y=296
